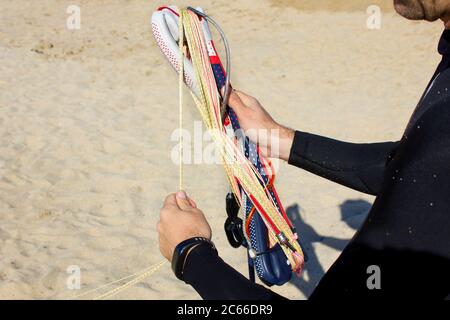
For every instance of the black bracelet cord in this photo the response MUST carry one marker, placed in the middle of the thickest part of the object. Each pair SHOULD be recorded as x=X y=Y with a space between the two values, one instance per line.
x=182 y=250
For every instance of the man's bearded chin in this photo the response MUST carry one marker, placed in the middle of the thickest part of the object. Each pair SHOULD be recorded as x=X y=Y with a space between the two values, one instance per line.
x=410 y=9
x=415 y=10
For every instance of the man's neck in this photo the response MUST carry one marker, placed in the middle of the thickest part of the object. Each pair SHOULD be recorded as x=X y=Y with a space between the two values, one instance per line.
x=446 y=20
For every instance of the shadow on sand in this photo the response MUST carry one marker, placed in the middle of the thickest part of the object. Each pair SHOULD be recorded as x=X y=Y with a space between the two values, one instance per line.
x=353 y=213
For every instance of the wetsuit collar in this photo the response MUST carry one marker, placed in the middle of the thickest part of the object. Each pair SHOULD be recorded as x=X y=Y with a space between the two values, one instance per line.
x=444 y=43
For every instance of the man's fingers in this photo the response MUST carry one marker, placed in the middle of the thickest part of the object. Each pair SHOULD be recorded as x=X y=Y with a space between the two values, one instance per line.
x=245 y=98
x=192 y=203
x=170 y=200
x=236 y=103
x=183 y=200
x=170 y=205
x=177 y=201
x=158 y=227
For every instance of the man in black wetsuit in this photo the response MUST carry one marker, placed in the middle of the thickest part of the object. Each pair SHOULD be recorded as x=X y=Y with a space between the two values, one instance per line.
x=407 y=231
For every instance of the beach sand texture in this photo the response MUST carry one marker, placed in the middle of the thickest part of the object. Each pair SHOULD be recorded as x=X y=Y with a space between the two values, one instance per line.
x=86 y=118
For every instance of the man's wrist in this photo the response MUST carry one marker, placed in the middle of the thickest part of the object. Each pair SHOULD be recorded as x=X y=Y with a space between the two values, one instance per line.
x=285 y=143
x=182 y=251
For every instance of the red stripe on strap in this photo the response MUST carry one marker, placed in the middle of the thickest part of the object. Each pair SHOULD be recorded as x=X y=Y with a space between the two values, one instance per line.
x=170 y=9
x=272 y=188
x=216 y=58
x=265 y=215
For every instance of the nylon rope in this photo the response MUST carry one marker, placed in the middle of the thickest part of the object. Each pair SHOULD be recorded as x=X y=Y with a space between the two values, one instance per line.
x=180 y=106
x=237 y=167
x=141 y=275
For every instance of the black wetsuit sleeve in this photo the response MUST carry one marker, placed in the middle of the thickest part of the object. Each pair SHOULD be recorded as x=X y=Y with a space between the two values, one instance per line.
x=213 y=279
x=359 y=166
x=406 y=233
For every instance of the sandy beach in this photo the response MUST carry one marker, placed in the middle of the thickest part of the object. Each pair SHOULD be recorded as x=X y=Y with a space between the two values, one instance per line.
x=86 y=118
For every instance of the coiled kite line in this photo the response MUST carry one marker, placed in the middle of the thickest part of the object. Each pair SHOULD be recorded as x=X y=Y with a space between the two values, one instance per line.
x=180 y=109
x=135 y=278
x=241 y=173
